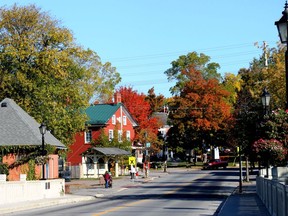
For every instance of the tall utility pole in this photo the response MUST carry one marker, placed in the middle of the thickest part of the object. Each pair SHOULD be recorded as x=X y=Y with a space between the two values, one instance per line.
x=147 y=158
x=265 y=53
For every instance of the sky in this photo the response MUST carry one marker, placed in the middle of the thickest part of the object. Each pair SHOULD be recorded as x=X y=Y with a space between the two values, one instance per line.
x=142 y=38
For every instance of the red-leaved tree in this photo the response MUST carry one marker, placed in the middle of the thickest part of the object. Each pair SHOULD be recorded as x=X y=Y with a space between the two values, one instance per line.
x=140 y=109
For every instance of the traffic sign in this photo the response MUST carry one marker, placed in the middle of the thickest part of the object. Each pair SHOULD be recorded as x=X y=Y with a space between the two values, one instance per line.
x=132 y=161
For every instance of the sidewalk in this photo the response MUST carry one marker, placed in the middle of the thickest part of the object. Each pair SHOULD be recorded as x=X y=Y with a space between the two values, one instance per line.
x=246 y=203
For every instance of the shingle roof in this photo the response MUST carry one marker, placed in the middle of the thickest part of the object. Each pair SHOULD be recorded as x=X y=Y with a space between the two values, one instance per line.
x=19 y=128
x=100 y=114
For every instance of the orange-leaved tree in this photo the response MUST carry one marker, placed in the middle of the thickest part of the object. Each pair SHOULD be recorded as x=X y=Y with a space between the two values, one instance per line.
x=200 y=111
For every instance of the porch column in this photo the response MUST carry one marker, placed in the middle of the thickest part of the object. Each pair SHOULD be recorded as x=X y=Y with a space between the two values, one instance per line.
x=95 y=165
x=82 y=167
x=116 y=168
x=95 y=169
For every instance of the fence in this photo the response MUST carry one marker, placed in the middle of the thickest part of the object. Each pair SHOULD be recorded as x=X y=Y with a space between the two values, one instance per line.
x=274 y=195
x=18 y=191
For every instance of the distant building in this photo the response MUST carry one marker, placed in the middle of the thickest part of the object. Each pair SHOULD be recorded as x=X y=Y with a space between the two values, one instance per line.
x=163 y=131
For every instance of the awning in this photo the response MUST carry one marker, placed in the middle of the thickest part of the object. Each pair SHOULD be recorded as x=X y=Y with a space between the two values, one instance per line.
x=111 y=151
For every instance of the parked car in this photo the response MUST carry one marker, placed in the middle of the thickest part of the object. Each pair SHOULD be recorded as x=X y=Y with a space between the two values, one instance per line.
x=215 y=164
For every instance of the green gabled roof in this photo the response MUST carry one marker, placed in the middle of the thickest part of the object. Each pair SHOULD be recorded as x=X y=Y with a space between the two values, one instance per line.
x=99 y=114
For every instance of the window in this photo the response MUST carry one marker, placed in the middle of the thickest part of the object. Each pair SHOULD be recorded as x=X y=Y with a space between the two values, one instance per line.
x=114 y=119
x=124 y=120
x=128 y=135
x=88 y=136
x=111 y=135
x=119 y=135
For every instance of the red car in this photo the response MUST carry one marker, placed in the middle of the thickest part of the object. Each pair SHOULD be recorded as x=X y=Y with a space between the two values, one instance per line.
x=215 y=164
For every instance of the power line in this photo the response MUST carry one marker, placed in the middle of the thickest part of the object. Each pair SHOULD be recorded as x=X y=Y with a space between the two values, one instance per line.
x=167 y=54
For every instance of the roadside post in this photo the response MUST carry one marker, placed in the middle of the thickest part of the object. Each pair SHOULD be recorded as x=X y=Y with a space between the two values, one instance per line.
x=147 y=161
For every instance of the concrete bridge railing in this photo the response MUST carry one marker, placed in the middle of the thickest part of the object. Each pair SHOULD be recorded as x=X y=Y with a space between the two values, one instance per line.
x=274 y=192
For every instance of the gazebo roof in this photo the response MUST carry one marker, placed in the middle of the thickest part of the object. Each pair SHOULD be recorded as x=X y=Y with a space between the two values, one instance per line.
x=111 y=151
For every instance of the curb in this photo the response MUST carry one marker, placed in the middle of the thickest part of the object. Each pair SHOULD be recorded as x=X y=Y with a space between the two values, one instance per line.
x=45 y=203
x=222 y=205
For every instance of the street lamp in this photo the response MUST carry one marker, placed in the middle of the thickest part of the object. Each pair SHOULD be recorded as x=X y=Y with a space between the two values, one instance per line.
x=265 y=100
x=265 y=97
x=282 y=26
x=42 y=130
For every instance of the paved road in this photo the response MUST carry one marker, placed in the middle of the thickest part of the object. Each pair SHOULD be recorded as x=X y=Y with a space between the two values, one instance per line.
x=181 y=192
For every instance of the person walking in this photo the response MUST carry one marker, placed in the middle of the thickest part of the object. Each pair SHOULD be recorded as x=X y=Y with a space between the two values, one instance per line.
x=107 y=179
x=133 y=171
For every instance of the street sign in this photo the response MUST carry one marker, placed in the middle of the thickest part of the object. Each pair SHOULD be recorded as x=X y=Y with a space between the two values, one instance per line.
x=132 y=161
x=147 y=145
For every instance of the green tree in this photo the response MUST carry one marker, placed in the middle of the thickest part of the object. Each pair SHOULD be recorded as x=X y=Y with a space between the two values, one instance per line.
x=103 y=140
x=47 y=73
x=185 y=62
x=248 y=110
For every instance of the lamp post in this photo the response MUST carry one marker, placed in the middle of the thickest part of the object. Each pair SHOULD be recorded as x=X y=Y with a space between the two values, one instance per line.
x=42 y=130
x=265 y=97
x=240 y=170
x=282 y=26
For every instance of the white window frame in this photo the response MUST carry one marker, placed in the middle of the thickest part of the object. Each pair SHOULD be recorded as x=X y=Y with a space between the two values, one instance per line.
x=124 y=120
x=119 y=135
x=88 y=136
x=128 y=135
x=114 y=119
x=110 y=135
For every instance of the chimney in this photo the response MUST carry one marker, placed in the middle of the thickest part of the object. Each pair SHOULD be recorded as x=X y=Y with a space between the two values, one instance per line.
x=117 y=98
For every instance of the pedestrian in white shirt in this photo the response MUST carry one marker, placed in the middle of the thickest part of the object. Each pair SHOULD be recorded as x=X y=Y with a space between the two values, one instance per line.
x=132 y=171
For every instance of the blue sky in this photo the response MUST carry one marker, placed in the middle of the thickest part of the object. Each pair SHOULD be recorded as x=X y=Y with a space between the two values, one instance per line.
x=142 y=38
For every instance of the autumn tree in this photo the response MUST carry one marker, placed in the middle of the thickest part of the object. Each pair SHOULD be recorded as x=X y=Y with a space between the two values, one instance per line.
x=47 y=73
x=274 y=75
x=157 y=103
x=140 y=109
x=200 y=111
x=232 y=84
x=184 y=62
